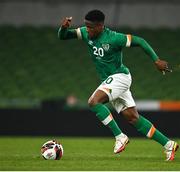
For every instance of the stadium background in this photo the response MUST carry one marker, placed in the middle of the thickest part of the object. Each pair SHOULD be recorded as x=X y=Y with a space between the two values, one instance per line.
x=45 y=82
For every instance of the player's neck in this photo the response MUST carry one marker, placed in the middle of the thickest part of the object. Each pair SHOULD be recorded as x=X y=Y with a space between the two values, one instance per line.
x=98 y=35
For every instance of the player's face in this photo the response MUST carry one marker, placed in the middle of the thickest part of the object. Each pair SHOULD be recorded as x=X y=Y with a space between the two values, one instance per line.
x=94 y=29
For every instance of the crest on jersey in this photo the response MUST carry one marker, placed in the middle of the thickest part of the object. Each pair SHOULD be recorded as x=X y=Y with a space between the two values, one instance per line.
x=105 y=47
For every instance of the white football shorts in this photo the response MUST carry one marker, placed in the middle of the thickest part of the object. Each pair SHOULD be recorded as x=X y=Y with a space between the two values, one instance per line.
x=117 y=87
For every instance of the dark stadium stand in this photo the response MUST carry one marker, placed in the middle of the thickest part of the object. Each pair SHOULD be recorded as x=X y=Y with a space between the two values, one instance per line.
x=36 y=65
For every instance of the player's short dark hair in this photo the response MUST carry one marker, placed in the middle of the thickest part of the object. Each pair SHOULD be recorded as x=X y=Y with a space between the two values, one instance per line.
x=95 y=16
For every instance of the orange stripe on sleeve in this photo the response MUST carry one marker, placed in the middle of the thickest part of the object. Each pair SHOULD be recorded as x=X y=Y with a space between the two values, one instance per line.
x=129 y=38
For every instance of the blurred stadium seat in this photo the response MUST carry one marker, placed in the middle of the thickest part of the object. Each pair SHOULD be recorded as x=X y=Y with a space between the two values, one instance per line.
x=36 y=65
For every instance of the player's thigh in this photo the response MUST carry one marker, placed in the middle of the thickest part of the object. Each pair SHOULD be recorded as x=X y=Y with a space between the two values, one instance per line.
x=115 y=85
x=123 y=102
x=98 y=96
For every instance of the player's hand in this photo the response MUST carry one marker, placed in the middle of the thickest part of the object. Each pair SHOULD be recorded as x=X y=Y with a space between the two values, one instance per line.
x=66 y=22
x=162 y=66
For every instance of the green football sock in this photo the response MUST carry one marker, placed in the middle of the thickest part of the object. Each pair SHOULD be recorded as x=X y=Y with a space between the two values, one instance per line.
x=105 y=116
x=146 y=127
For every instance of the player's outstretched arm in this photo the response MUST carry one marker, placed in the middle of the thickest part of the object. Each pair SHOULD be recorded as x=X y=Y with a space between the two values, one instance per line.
x=160 y=64
x=64 y=32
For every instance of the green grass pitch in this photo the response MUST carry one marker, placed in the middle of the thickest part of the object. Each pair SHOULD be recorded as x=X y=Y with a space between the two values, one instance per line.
x=88 y=153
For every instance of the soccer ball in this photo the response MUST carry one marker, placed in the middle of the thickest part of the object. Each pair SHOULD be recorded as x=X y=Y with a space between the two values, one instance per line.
x=52 y=150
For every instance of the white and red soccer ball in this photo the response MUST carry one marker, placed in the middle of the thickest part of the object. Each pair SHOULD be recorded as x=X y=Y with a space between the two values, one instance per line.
x=52 y=150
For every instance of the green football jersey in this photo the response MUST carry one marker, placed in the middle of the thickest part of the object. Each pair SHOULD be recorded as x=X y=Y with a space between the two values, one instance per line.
x=106 y=51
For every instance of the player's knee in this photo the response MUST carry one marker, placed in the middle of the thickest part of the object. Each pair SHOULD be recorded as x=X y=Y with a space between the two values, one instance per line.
x=133 y=119
x=131 y=115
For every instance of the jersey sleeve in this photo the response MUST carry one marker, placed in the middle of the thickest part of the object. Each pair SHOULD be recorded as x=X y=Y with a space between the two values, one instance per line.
x=66 y=33
x=122 y=40
x=138 y=41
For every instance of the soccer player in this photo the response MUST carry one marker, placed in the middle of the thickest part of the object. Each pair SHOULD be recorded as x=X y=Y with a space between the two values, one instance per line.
x=105 y=47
